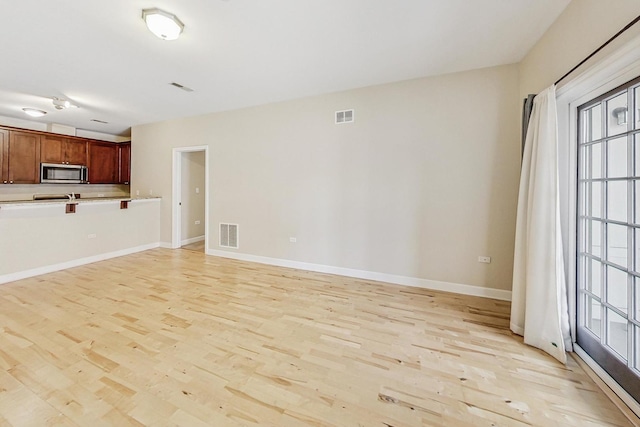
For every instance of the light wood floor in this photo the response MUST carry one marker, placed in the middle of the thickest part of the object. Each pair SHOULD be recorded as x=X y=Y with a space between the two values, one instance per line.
x=176 y=337
x=197 y=246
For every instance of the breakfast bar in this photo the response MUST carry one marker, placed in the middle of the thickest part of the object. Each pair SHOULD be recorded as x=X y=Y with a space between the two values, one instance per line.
x=39 y=236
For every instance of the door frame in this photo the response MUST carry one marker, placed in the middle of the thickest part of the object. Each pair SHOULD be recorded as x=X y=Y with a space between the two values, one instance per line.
x=611 y=71
x=176 y=211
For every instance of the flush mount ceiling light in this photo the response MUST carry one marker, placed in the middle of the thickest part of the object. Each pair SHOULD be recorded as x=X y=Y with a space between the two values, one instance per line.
x=33 y=112
x=163 y=24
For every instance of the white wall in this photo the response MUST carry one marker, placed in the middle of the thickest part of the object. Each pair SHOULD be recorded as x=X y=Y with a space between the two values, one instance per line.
x=193 y=185
x=422 y=183
x=39 y=237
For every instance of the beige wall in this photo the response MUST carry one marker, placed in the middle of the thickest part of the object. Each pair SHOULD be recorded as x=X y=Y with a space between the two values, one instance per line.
x=42 y=235
x=193 y=185
x=420 y=185
x=579 y=30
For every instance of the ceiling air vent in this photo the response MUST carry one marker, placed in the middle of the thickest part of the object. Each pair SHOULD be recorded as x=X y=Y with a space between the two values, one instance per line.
x=344 y=116
x=179 y=86
x=99 y=121
x=229 y=235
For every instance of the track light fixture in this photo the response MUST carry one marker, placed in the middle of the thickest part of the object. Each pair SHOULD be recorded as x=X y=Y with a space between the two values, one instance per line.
x=61 y=104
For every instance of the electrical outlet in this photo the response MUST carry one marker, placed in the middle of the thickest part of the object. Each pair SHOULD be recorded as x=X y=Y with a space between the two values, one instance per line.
x=197 y=190
x=197 y=222
x=293 y=239
x=484 y=259
x=91 y=236
x=137 y=192
x=151 y=192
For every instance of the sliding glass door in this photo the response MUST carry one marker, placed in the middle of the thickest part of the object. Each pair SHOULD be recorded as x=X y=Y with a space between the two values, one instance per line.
x=608 y=326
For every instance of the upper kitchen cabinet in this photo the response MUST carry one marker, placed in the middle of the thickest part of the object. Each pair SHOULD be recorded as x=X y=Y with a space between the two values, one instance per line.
x=66 y=151
x=103 y=162
x=76 y=152
x=4 y=157
x=21 y=158
x=124 y=163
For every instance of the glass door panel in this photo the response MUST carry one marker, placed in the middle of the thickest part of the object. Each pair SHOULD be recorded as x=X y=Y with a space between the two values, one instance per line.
x=608 y=205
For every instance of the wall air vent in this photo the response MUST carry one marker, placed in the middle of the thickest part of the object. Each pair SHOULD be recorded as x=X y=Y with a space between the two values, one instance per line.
x=179 y=86
x=229 y=235
x=344 y=116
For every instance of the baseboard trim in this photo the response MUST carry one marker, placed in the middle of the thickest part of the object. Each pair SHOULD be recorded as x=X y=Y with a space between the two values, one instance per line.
x=166 y=245
x=12 y=277
x=624 y=398
x=516 y=329
x=371 y=275
x=192 y=240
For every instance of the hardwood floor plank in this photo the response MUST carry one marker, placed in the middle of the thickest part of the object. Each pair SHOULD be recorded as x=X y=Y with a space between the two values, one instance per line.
x=175 y=337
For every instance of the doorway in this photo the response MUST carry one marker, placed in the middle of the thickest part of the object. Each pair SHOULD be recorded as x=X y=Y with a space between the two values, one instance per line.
x=190 y=203
x=608 y=238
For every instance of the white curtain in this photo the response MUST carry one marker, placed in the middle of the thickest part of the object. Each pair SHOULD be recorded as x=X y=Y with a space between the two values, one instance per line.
x=539 y=309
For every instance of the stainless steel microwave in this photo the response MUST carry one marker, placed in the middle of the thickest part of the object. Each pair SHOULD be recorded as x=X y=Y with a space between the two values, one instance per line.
x=51 y=173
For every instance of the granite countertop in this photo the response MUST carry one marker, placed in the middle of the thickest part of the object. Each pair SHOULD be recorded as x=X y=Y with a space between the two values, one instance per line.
x=81 y=200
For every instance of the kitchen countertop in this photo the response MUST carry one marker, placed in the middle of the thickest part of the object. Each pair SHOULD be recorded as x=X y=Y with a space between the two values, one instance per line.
x=79 y=201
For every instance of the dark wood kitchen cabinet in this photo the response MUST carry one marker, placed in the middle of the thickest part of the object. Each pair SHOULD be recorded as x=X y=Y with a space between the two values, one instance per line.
x=66 y=151
x=124 y=163
x=4 y=157
x=22 y=151
x=20 y=158
x=103 y=162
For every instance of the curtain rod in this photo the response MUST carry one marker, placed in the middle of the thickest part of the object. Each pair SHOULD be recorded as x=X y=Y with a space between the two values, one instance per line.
x=629 y=25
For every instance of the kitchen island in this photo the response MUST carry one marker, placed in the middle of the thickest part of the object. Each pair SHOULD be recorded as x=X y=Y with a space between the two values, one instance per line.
x=38 y=237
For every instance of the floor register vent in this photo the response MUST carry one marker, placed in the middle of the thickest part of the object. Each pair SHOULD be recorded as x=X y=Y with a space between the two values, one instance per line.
x=229 y=235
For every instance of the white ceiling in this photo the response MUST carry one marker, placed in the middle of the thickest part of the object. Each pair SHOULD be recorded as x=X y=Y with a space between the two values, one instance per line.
x=238 y=53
